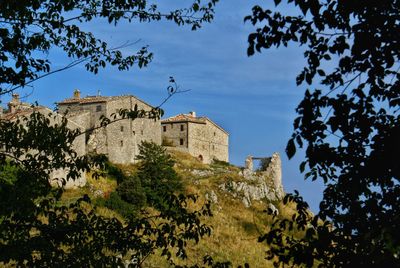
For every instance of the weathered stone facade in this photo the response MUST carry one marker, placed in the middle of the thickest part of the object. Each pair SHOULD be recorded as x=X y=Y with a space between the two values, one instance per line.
x=118 y=140
x=199 y=136
x=18 y=109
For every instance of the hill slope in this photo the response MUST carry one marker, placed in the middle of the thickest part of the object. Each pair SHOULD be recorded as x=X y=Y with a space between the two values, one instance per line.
x=239 y=200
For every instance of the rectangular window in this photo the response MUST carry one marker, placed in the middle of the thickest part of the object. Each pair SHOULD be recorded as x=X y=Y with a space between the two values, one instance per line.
x=98 y=108
x=141 y=132
x=164 y=128
x=182 y=127
x=122 y=128
x=181 y=141
x=121 y=143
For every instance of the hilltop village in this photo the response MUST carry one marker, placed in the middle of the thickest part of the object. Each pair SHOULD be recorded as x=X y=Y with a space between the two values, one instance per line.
x=198 y=136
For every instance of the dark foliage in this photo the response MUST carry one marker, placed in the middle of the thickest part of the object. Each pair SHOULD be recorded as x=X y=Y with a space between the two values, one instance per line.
x=35 y=230
x=132 y=192
x=349 y=127
x=39 y=26
x=127 y=209
x=114 y=172
x=156 y=173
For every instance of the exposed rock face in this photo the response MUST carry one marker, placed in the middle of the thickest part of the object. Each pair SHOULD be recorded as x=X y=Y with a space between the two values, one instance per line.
x=212 y=197
x=273 y=209
x=257 y=185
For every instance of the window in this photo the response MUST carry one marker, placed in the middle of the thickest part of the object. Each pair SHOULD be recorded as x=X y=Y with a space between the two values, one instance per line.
x=122 y=128
x=214 y=133
x=141 y=132
x=181 y=141
x=121 y=143
x=213 y=147
x=182 y=127
x=98 y=108
x=164 y=128
x=134 y=133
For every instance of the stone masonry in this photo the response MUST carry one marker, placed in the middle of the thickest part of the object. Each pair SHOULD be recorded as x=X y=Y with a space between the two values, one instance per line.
x=198 y=136
x=118 y=140
x=18 y=109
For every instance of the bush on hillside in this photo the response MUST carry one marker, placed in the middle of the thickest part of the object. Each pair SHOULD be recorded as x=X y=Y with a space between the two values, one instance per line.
x=131 y=191
x=116 y=203
x=114 y=172
x=156 y=173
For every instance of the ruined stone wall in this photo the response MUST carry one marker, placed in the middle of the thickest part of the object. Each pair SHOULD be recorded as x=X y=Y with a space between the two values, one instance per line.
x=274 y=171
x=208 y=142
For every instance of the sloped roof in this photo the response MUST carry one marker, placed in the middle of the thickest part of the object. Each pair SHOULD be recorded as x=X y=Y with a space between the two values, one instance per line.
x=184 y=118
x=41 y=109
x=89 y=99
x=98 y=99
x=181 y=118
x=21 y=112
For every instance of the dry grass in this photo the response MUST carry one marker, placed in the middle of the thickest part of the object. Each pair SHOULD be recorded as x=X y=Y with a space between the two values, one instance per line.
x=186 y=161
x=235 y=228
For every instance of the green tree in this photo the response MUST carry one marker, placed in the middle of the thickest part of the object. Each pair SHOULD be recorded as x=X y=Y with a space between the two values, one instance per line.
x=349 y=126
x=156 y=173
x=29 y=30
x=35 y=230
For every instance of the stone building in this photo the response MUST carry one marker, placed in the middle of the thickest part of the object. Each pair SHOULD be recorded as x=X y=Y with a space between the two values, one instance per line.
x=199 y=136
x=17 y=110
x=118 y=140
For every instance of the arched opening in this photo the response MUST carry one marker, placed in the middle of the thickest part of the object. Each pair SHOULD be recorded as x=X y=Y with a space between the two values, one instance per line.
x=200 y=157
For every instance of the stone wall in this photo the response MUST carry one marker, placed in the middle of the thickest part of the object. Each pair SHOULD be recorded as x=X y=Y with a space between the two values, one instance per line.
x=258 y=185
x=56 y=177
x=208 y=141
x=79 y=146
x=95 y=110
x=120 y=139
x=175 y=133
x=123 y=137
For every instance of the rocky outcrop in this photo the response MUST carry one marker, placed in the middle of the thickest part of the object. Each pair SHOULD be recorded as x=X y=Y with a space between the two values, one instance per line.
x=260 y=185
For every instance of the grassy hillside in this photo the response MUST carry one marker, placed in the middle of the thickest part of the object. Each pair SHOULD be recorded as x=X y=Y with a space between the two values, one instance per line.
x=235 y=228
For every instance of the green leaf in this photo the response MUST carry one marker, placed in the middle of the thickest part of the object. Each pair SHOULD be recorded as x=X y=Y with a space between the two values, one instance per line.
x=290 y=148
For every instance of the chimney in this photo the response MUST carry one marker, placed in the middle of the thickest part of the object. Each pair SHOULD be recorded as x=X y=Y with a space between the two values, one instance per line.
x=192 y=113
x=14 y=103
x=77 y=94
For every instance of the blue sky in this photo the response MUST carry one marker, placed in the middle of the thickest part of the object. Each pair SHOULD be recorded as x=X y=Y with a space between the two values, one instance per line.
x=254 y=98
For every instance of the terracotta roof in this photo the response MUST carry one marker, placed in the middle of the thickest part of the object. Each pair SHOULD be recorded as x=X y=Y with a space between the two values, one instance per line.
x=97 y=99
x=190 y=118
x=22 y=112
x=88 y=99
x=184 y=118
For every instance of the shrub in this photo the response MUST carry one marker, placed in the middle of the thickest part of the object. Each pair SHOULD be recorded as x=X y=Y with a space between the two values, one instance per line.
x=131 y=191
x=124 y=208
x=114 y=172
x=156 y=173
